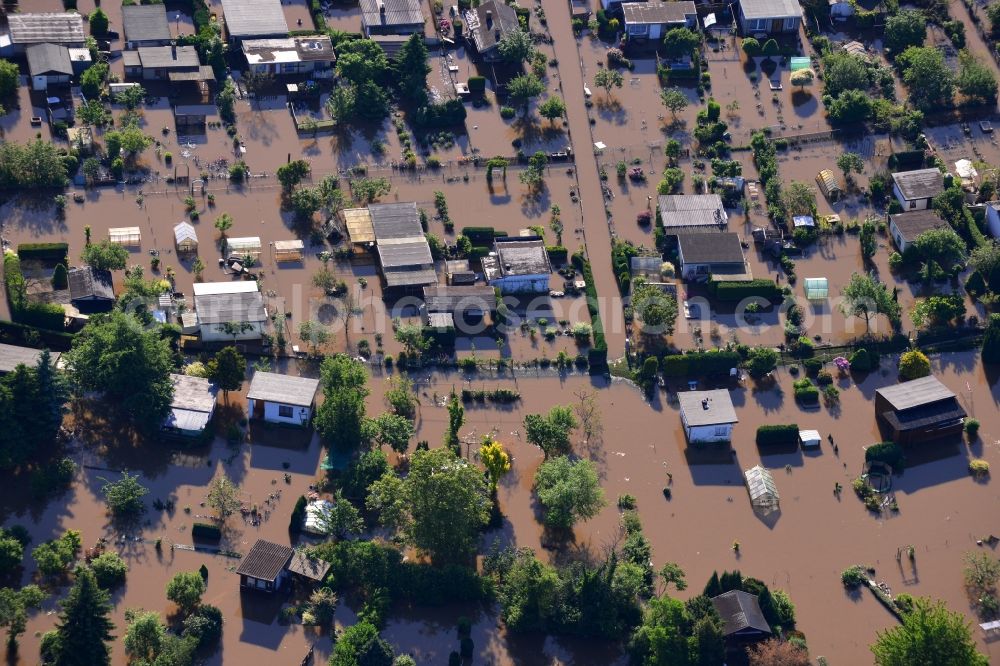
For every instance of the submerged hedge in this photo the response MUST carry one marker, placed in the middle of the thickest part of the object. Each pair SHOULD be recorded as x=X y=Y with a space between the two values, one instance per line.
x=698 y=364
x=737 y=291
x=44 y=251
x=777 y=434
x=597 y=356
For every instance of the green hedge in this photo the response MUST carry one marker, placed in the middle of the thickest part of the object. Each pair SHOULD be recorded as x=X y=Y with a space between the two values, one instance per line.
x=49 y=316
x=23 y=333
x=889 y=453
x=778 y=434
x=479 y=251
x=206 y=531
x=57 y=252
x=597 y=355
x=699 y=364
x=481 y=235
x=737 y=291
x=557 y=254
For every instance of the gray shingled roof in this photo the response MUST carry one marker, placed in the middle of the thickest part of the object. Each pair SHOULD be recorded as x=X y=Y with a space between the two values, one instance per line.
x=678 y=211
x=221 y=308
x=57 y=28
x=312 y=568
x=169 y=57
x=265 y=561
x=765 y=9
x=12 y=356
x=250 y=18
x=919 y=184
x=914 y=223
x=89 y=283
x=48 y=59
x=286 y=389
x=459 y=298
x=145 y=23
x=487 y=31
x=707 y=407
x=913 y=393
x=397 y=12
x=739 y=611
x=656 y=13
x=722 y=248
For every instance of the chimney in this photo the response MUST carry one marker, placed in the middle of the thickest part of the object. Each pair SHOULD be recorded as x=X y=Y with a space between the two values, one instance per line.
x=496 y=34
x=381 y=11
x=704 y=403
x=489 y=19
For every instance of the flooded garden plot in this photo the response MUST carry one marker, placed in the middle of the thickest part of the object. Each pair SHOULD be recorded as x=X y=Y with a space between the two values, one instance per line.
x=802 y=549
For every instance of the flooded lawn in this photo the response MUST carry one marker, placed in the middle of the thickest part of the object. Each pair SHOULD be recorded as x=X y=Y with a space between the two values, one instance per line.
x=642 y=450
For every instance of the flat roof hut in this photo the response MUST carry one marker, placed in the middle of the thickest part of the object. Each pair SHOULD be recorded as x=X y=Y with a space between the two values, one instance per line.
x=244 y=246
x=760 y=485
x=288 y=250
x=185 y=237
x=358 y=222
x=127 y=236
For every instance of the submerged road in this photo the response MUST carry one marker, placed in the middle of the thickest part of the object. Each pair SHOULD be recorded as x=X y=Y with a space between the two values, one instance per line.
x=595 y=222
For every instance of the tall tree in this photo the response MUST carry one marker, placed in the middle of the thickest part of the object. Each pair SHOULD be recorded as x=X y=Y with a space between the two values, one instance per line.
x=84 y=626
x=680 y=42
x=991 y=341
x=145 y=635
x=553 y=108
x=14 y=607
x=551 y=432
x=869 y=243
x=905 y=29
x=341 y=518
x=930 y=634
x=496 y=461
x=867 y=298
x=439 y=507
x=674 y=100
x=223 y=496
x=128 y=364
x=568 y=490
x=608 y=79
x=522 y=89
x=340 y=416
x=411 y=63
x=928 y=79
x=10 y=78
x=105 y=256
x=516 y=47
x=391 y=429
x=456 y=418
x=976 y=80
x=228 y=369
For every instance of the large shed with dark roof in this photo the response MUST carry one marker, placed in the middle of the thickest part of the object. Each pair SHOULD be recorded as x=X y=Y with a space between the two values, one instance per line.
x=265 y=567
x=741 y=615
x=919 y=410
x=391 y=17
x=145 y=25
x=403 y=252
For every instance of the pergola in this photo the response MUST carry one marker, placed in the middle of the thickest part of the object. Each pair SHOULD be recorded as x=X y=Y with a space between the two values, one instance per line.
x=185 y=237
x=125 y=235
x=817 y=289
x=288 y=250
x=760 y=485
x=243 y=247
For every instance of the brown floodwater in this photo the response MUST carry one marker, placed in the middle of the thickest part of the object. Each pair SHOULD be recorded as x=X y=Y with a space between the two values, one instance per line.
x=802 y=550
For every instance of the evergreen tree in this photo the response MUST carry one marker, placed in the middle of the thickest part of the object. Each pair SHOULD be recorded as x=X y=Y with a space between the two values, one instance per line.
x=84 y=627
x=412 y=66
x=991 y=341
x=53 y=395
x=228 y=370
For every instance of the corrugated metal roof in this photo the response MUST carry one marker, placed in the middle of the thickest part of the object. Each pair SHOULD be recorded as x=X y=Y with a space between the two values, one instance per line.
x=913 y=393
x=460 y=299
x=395 y=220
x=400 y=252
x=391 y=12
x=265 y=561
x=707 y=407
x=656 y=13
x=145 y=23
x=57 y=28
x=359 y=225
x=193 y=393
x=692 y=210
x=186 y=419
x=222 y=308
x=240 y=287
x=284 y=389
x=766 y=9
x=249 y=18
x=410 y=278
x=90 y=284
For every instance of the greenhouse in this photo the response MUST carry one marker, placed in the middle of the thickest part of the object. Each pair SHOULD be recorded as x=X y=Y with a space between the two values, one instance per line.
x=817 y=289
x=244 y=247
x=288 y=250
x=186 y=238
x=763 y=492
x=828 y=185
x=128 y=236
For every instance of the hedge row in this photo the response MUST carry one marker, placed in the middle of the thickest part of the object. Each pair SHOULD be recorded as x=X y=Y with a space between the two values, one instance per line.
x=23 y=333
x=777 y=434
x=597 y=356
x=699 y=364
x=737 y=291
x=557 y=254
x=482 y=235
x=206 y=531
x=58 y=252
x=889 y=453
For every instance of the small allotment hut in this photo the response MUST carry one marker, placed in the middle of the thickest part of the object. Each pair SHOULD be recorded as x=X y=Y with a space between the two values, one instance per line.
x=760 y=485
x=186 y=238
x=288 y=250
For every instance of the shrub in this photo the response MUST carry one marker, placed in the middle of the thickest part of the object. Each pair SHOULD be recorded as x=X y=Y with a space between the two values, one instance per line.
x=777 y=434
x=737 y=291
x=889 y=453
x=60 y=277
x=700 y=364
x=109 y=569
x=979 y=468
x=298 y=518
x=913 y=364
x=805 y=392
x=206 y=531
x=861 y=360
x=507 y=112
x=761 y=360
x=971 y=427
x=812 y=365
x=824 y=378
x=477 y=84
x=854 y=576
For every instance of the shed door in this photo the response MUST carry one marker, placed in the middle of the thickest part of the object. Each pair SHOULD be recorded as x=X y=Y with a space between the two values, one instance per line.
x=777 y=25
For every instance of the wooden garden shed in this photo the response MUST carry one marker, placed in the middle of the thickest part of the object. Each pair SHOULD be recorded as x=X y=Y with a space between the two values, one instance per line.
x=288 y=250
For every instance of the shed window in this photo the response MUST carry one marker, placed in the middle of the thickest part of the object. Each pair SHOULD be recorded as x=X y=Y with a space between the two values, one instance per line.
x=721 y=430
x=913 y=204
x=285 y=411
x=756 y=24
x=637 y=29
x=790 y=23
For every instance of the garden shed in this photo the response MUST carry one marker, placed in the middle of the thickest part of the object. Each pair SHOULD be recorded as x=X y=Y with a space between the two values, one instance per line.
x=127 y=236
x=817 y=289
x=358 y=222
x=760 y=485
x=828 y=185
x=185 y=237
x=288 y=250
x=245 y=246
x=809 y=438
